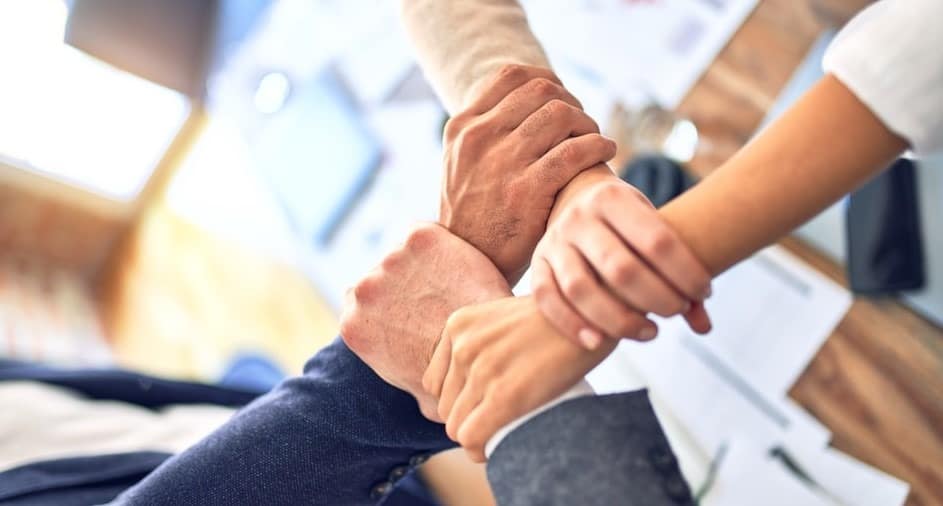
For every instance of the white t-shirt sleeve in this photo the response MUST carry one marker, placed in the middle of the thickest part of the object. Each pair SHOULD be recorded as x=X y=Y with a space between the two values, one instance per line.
x=891 y=57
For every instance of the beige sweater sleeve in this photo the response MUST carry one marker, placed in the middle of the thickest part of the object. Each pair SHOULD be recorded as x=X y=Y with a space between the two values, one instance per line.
x=461 y=43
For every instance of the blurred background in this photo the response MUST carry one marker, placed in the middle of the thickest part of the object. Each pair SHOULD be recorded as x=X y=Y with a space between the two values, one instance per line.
x=188 y=182
x=187 y=187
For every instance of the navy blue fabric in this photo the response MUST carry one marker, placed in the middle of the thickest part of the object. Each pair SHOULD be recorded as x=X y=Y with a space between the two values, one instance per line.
x=126 y=386
x=76 y=481
x=337 y=435
x=252 y=372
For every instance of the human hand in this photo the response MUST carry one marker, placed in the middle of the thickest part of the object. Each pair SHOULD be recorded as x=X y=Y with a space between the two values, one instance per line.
x=497 y=361
x=394 y=316
x=507 y=156
x=609 y=259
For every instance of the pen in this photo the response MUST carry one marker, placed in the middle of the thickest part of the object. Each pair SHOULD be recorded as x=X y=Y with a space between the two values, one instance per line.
x=780 y=453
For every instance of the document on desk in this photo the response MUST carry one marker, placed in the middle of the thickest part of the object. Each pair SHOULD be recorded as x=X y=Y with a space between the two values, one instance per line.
x=663 y=46
x=771 y=314
x=846 y=480
x=747 y=475
x=725 y=394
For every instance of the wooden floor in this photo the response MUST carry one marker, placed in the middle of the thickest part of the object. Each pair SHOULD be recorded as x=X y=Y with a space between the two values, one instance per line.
x=878 y=381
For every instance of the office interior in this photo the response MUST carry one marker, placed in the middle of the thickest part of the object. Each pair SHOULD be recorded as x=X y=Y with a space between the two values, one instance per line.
x=188 y=188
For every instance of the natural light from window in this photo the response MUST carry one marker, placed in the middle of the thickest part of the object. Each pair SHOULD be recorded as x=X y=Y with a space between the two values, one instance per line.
x=67 y=115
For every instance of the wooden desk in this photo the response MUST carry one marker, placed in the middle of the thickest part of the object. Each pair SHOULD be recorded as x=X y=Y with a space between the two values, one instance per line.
x=878 y=381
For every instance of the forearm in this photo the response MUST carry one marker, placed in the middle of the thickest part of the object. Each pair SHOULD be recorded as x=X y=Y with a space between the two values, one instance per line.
x=825 y=146
x=461 y=43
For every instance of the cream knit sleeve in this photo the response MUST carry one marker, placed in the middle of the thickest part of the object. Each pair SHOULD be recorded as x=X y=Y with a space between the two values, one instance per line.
x=461 y=43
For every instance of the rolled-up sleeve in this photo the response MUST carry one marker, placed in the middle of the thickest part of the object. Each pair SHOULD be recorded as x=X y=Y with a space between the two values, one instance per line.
x=461 y=43
x=891 y=57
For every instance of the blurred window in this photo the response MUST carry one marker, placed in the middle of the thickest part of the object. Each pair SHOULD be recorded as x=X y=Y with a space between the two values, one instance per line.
x=72 y=117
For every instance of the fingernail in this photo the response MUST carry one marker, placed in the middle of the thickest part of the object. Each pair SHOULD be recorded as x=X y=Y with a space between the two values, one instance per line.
x=647 y=333
x=590 y=338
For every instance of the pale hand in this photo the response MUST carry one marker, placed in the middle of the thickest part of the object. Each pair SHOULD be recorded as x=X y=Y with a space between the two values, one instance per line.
x=498 y=361
x=392 y=318
x=608 y=260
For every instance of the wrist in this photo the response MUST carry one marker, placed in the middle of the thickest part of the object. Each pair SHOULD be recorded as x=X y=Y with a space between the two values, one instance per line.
x=582 y=182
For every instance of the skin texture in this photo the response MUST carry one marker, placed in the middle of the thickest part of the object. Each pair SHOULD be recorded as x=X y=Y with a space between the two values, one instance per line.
x=642 y=266
x=521 y=141
x=393 y=317
x=485 y=366
x=506 y=158
x=783 y=177
x=825 y=146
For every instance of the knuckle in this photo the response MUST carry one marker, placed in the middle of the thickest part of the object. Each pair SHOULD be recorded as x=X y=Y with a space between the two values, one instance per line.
x=501 y=395
x=542 y=292
x=422 y=238
x=553 y=162
x=659 y=242
x=452 y=431
x=608 y=192
x=477 y=131
x=453 y=127
x=571 y=153
x=573 y=215
x=471 y=438
x=463 y=352
x=576 y=287
x=544 y=87
x=443 y=413
x=429 y=410
x=558 y=108
x=466 y=139
x=603 y=146
x=390 y=263
x=482 y=371
x=623 y=273
x=456 y=322
x=511 y=72
x=365 y=290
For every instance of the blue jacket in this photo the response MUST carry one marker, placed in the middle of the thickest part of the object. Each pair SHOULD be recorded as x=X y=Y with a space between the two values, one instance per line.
x=337 y=435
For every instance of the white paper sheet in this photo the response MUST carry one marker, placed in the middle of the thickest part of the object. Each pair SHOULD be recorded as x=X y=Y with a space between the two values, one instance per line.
x=771 y=314
x=662 y=47
x=707 y=391
x=747 y=476
x=850 y=482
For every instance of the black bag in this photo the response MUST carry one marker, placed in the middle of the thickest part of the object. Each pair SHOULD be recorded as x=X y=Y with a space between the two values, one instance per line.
x=884 y=241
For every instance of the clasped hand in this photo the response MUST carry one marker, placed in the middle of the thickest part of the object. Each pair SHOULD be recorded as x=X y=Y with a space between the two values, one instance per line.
x=436 y=317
